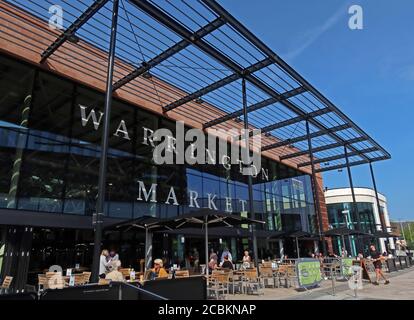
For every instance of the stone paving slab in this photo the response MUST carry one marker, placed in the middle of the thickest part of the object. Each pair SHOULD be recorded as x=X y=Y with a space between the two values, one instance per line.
x=400 y=288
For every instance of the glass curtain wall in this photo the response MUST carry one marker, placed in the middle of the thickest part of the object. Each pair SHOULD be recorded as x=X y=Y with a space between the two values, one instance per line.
x=339 y=215
x=50 y=146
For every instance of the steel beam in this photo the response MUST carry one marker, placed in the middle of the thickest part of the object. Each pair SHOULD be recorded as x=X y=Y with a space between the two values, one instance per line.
x=249 y=176
x=284 y=96
x=215 y=24
x=337 y=157
x=290 y=121
x=355 y=211
x=351 y=164
x=99 y=215
x=231 y=78
x=183 y=32
x=374 y=183
x=323 y=148
x=295 y=120
x=219 y=10
x=315 y=190
x=71 y=30
x=304 y=137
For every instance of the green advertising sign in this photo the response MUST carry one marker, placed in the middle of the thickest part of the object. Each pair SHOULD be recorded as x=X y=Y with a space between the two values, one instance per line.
x=309 y=272
x=347 y=267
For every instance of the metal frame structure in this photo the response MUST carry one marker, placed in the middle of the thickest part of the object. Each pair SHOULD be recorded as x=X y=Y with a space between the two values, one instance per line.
x=201 y=41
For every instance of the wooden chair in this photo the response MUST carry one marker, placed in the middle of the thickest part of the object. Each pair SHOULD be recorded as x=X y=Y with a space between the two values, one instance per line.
x=236 y=281
x=267 y=264
x=42 y=284
x=252 y=282
x=266 y=276
x=4 y=288
x=79 y=279
x=219 y=283
x=86 y=276
x=55 y=280
x=292 y=277
x=182 y=274
x=141 y=263
x=126 y=272
x=103 y=282
x=282 y=273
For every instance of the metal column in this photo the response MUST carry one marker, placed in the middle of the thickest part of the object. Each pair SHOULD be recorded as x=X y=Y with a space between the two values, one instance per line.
x=382 y=221
x=206 y=245
x=315 y=189
x=249 y=177
x=98 y=216
x=354 y=204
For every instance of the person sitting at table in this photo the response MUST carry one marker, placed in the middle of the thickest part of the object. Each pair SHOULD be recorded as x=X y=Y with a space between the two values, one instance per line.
x=226 y=252
x=158 y=271
x=246 y=260
x=213 y=255
x=103 y=264
x=212 y=265
x=227 y=263
x=115 y=274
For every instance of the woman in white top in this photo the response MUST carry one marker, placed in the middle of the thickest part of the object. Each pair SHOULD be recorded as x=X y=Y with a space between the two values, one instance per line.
x=246 y=260
x=103 y=263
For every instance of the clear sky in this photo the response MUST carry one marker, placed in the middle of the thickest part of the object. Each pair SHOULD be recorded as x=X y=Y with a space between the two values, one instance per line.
x=367 y=73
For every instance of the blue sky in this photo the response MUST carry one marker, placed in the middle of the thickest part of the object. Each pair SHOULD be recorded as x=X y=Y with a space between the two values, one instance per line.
x=368 y=73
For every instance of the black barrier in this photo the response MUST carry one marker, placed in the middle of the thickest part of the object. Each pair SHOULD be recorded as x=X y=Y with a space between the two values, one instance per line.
x=402 y=262
x=112 y=291
x=407 y=262
x=391 y=265
x=397 y=263
x=189 y=288
x=18 y=296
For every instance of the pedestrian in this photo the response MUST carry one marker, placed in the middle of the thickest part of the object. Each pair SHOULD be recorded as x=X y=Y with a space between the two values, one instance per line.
x=377 y=261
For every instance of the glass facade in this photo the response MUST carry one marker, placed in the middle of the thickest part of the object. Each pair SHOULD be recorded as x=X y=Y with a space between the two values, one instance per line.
x=340 y=215
x=50 y=159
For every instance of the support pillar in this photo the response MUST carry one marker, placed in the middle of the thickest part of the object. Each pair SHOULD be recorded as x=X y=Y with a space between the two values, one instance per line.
x=148 y=249
x=98 y=216
x=355 y=212
x=249 y=176
x=281 y=249
x=381 y=215
x=315 y=189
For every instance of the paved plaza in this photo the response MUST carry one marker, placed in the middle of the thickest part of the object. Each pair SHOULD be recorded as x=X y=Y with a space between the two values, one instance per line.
x=400 y=288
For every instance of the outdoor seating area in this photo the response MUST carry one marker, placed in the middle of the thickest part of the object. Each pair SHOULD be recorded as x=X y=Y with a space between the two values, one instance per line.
x=272 y=274
x=286 y=275
x=55 y=280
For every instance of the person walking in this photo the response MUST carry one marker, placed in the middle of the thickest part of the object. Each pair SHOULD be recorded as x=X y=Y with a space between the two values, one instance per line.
x=377 y=261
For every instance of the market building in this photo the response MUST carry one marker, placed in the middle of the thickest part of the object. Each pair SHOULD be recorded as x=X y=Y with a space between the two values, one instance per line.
x=339 y=204
x=53 y=99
